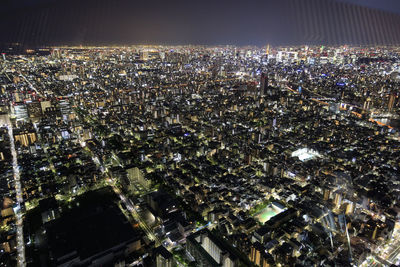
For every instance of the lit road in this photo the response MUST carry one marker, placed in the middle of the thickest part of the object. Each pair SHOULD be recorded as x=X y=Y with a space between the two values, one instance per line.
x=131 y=208
x=30 y=85
x=389 y=254
x=127 y=202
x=18 y=192
x=394 y=254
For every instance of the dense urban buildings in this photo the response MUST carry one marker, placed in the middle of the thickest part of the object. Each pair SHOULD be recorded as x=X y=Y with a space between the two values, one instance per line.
x=200 y=156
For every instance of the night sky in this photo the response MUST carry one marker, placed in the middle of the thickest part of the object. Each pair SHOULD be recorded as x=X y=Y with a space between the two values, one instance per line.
x=387 y=5
x=209 y=22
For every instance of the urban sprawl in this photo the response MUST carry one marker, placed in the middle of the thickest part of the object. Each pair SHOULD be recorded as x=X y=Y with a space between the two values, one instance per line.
x=200 y=156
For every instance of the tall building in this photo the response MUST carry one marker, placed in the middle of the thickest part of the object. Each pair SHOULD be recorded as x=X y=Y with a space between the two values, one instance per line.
x=338 y=199
x=203 y=259
x=25 y=138
x=4 y=116
x=164 y=258
x=350 y=208
x=266 y=86
x=65 y=109
x=208 y=250
x=263 y=84
x=259 y=257
x=391 y=103
x=255 y=253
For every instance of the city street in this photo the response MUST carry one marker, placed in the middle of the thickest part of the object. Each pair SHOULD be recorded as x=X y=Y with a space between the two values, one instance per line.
x=18 y=192
x=131 y=208
x=388 y=255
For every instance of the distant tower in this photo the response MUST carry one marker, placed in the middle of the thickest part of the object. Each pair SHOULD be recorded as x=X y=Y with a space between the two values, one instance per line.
x=267 y=51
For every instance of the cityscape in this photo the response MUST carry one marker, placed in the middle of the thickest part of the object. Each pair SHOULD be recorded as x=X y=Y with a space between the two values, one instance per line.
x=200 y=156
x=257 y=133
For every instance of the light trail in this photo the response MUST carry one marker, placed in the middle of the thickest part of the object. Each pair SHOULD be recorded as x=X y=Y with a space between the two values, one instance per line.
x=18 y=191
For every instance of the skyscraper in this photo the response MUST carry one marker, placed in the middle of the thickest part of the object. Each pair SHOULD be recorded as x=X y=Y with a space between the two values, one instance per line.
x=263 y=84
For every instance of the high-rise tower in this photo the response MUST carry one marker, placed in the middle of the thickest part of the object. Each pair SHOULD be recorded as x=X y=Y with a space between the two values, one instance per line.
x=263 y=84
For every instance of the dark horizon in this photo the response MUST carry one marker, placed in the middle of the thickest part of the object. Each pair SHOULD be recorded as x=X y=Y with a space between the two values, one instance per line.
x=122 y=22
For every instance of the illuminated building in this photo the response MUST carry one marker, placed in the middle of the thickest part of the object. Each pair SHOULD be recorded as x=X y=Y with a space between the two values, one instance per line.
x=210 y=251
x=258 y=255
x=68 y=77
x=4 y=119
x=338 y=199
x=53 y=112
x=305 y=154
x=25 y=138
x=18 y=97
x=21 y=112
x=326 y=194
x=44 y=105
x=350 y=208
x=367 y=103
x=392 y=99
x=164 y=258
x=4 y=109
x=287 y=56
x=144 y=55
x=65 y=109
x=34 y=109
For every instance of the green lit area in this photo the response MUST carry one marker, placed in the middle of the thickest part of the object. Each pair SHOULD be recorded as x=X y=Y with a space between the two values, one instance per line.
x=267 y=213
